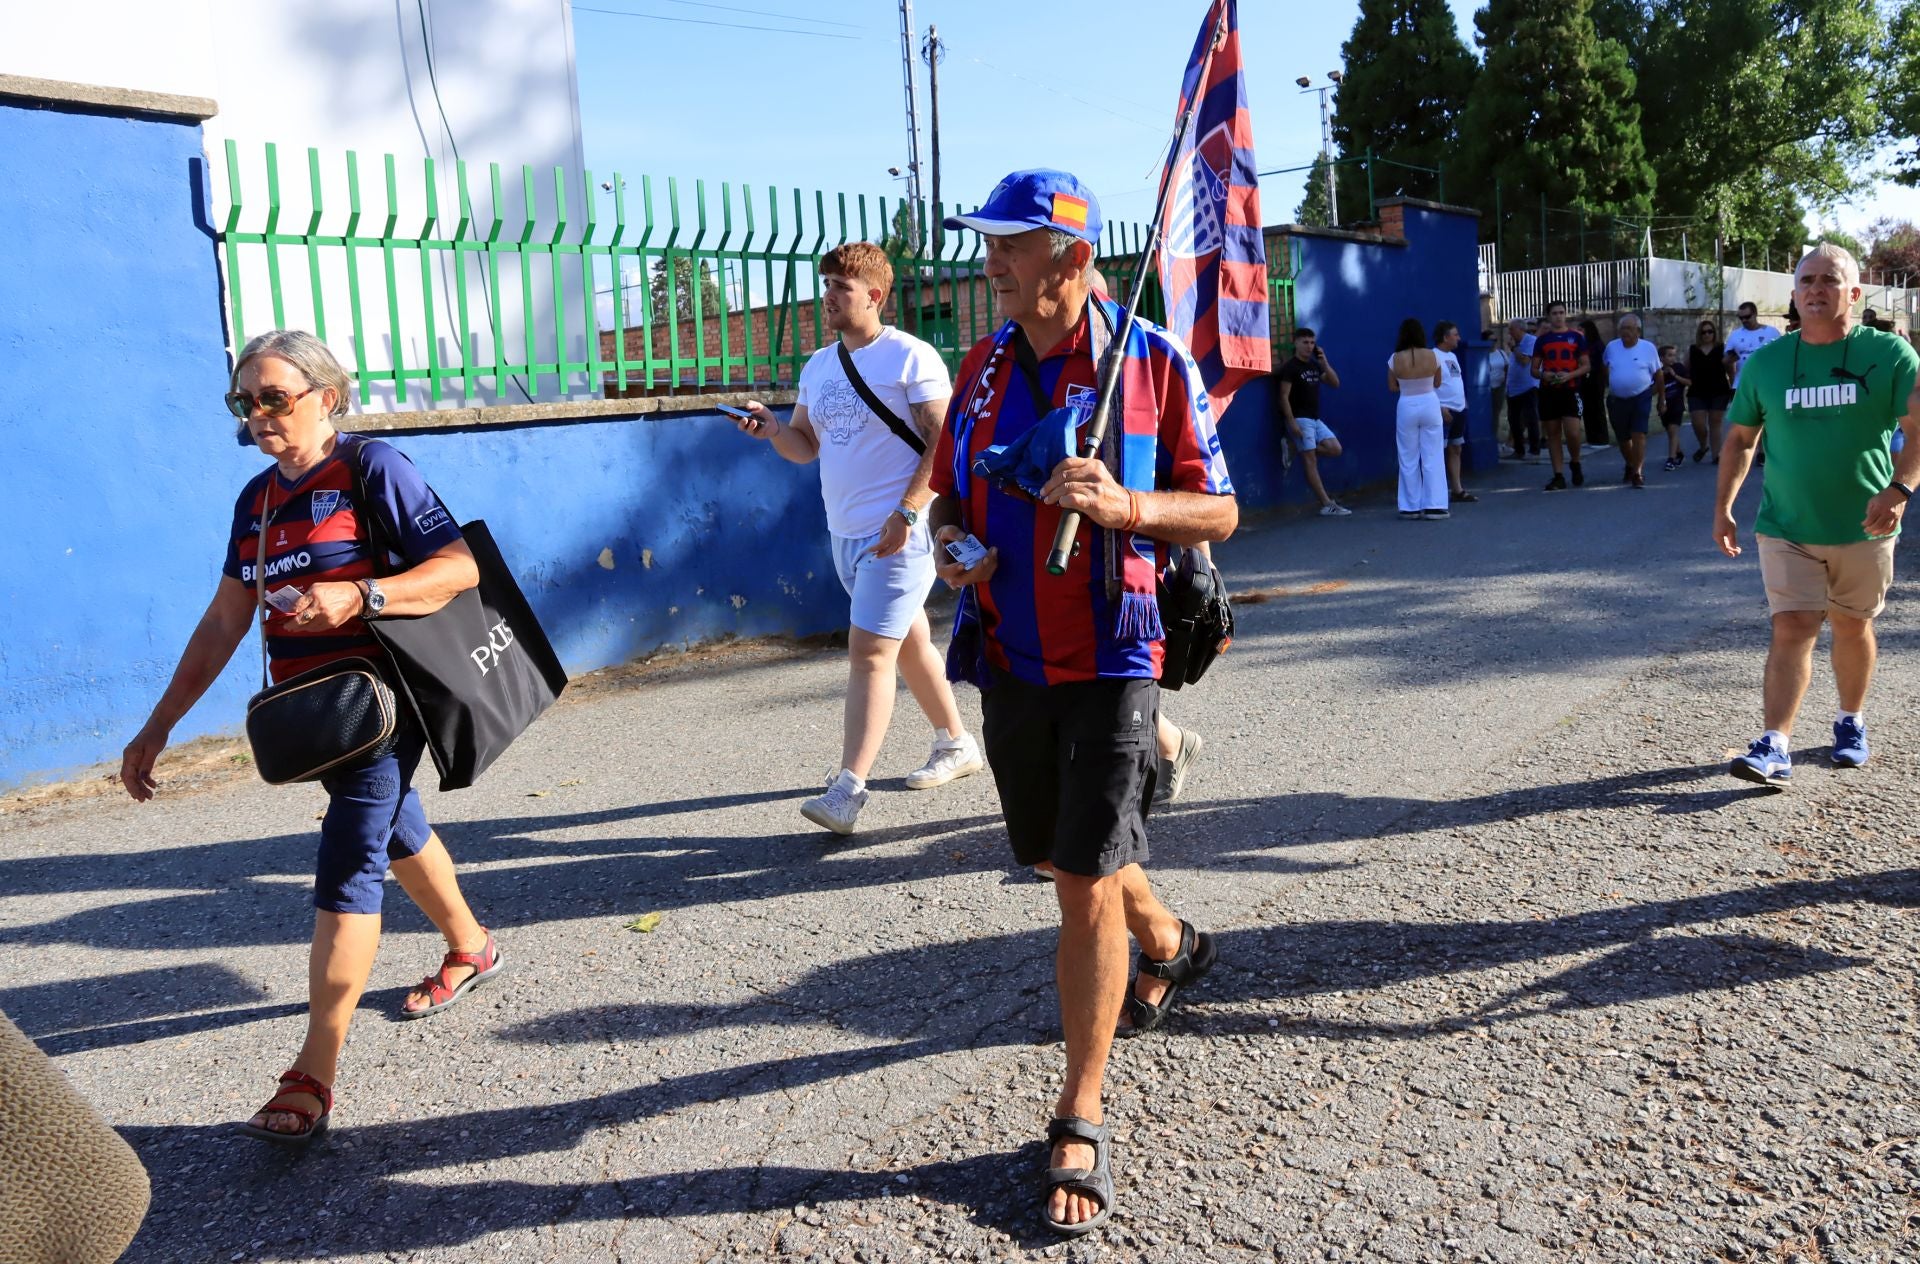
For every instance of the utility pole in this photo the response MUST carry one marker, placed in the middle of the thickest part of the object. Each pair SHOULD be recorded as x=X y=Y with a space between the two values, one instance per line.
x=1326 y=141
x=913 y=123
x=934 y=51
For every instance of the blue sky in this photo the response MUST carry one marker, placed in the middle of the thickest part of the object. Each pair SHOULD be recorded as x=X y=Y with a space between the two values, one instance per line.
x=1088 y=85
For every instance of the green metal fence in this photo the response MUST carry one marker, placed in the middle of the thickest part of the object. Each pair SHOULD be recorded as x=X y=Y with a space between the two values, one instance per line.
x=490 y=290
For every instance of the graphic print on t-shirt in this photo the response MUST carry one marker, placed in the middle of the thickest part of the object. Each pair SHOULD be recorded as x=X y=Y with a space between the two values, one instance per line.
x=839 y=413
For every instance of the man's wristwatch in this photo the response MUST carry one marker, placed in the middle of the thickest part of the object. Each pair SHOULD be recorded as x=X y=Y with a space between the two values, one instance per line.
x=372 y=600
x=1906 y=493
x=908 y=512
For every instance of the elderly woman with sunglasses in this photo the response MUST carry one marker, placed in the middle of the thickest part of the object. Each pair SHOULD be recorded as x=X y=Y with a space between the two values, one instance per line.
x=288 y=389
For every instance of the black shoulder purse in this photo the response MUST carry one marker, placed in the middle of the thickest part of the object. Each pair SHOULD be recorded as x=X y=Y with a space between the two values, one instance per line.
x=1196 y=616
x=335 y=718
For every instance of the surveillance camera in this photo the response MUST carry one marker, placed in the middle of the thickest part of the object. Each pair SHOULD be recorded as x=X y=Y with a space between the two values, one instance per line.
x=1304 y=82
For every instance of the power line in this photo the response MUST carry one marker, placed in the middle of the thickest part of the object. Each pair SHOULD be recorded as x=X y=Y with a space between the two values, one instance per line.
x=1014 y=74
x=733 y=26
x=765 y=13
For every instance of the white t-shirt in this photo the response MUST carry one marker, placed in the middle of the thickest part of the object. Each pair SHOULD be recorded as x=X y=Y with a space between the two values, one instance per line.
x=1453 y=387
x=1743 y=342
x=1630 y=370
x=864 y=465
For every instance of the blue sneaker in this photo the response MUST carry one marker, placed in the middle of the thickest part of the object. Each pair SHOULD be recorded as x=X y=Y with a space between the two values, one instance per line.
x=1765 y=763
x=1850 y=743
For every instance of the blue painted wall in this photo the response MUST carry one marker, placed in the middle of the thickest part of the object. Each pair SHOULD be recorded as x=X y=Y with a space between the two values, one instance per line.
x=1354 y=294
x=120 y=463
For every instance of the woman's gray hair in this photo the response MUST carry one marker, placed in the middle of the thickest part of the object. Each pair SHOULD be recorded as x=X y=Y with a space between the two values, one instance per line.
x=304 y=352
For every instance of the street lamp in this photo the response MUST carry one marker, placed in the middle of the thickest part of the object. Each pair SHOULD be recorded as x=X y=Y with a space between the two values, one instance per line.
x=1326 y=139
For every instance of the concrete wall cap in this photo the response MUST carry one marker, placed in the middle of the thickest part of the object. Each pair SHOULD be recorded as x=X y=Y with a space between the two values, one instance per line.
x=124 y=100
x=1425 y=205
x=651 y=407
x=1334 y=234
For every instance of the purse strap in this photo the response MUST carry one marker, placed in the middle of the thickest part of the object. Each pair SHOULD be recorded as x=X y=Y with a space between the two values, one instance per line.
x=880 y=410
x=260 y=575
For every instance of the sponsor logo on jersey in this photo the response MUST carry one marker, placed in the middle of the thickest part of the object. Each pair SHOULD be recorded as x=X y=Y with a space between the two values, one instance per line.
x=279 y=566
x=323 y=504
x=431 y=520
x=1822 y=396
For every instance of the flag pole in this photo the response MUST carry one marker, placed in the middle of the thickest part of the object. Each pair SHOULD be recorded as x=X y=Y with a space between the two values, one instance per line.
x=1063 y=536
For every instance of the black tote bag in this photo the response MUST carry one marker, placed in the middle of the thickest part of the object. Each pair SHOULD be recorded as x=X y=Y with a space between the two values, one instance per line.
x=475 y=672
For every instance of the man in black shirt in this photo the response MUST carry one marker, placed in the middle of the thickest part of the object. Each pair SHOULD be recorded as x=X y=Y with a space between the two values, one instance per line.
x=1296 y=393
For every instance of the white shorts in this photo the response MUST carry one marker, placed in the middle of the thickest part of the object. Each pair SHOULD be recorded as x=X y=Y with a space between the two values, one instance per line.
x=1313 y=433
x=887 y=591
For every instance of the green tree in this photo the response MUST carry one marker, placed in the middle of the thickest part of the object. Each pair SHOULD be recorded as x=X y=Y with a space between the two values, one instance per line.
x=1405 y=85
x=1900 y=92
x=1552 y=114
x=1752 y=109
x=1315 y=211
x=681 y=299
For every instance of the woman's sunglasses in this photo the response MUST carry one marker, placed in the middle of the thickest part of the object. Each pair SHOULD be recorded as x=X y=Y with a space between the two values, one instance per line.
x=272 y=402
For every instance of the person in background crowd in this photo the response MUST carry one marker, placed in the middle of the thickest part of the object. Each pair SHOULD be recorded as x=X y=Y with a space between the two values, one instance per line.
x=1673 y=402
x=1499 y=360
x=1420 y=427
x=1296 y=396
x=1069 y=664
x=1453 y=406
x=1561 y=358
x=1523 y=393
x=287 y=389
x=875 y=488
x=1709 y=390
x=1747 y=339
x=1593 y=392
x=1633 y=379
x=1829 y=399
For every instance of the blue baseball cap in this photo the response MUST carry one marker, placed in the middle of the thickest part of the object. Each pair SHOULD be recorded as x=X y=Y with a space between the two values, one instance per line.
x=1041 y=198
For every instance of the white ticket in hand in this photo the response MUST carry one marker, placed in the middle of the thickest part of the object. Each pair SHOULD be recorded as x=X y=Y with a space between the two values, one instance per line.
x=967 y=551
x=284 y=599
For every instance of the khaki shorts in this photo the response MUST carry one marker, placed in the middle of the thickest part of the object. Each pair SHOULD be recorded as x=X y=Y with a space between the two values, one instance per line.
x=1850 y=579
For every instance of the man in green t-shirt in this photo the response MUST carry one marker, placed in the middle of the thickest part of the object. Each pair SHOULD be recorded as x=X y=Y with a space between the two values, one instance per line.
x=1829 y=398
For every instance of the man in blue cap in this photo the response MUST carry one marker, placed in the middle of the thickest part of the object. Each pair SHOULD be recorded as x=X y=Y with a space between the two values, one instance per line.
x=1069 y=664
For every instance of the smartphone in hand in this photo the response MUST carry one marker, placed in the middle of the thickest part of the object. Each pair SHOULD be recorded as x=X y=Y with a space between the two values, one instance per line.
x=738 y=413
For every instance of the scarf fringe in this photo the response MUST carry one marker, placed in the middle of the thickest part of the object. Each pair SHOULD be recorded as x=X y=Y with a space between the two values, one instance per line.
x=1140 y=617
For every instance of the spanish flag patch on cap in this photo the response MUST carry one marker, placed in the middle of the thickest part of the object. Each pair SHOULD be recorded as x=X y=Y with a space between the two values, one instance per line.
x=1069 y=210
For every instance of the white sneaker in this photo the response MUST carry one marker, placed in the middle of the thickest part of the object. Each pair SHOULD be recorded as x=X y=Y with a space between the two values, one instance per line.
x=952 y=757
x=840 y=806
x=1335 y=511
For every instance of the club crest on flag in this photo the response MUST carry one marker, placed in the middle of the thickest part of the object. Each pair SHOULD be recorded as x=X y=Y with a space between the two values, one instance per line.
x=1196 y=219
x=324 y=503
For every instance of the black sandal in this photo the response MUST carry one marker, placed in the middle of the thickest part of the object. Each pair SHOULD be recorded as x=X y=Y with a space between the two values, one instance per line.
x=1196 y=956
x=1095 y=1182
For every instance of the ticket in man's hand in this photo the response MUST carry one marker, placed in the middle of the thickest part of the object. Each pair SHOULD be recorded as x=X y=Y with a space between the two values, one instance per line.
x=285 y=599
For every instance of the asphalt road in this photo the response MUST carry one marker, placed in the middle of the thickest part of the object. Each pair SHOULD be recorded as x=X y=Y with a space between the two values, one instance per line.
x=1511 y=970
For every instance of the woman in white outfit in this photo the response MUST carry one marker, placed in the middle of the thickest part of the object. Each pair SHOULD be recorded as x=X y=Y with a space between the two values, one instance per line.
x=1414 y=373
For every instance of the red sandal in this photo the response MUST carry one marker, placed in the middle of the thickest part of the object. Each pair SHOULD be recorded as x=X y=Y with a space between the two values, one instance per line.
x=314 y=1124
x=486 y=963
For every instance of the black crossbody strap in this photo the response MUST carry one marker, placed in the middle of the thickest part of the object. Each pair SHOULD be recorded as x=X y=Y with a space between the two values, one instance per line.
x=1028 y=362
x=880 y=410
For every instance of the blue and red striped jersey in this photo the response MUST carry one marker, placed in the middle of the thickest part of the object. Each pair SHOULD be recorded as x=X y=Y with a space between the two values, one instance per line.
x=1051 y=629
x=314 y=535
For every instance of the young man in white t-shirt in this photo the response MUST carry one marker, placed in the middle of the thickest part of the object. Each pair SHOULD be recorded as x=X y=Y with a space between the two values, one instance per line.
x=1747 y=339
x=875 y=487
x=1453 y=405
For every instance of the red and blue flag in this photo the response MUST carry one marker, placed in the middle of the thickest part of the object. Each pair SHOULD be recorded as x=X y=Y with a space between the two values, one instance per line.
x=1213 y=259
